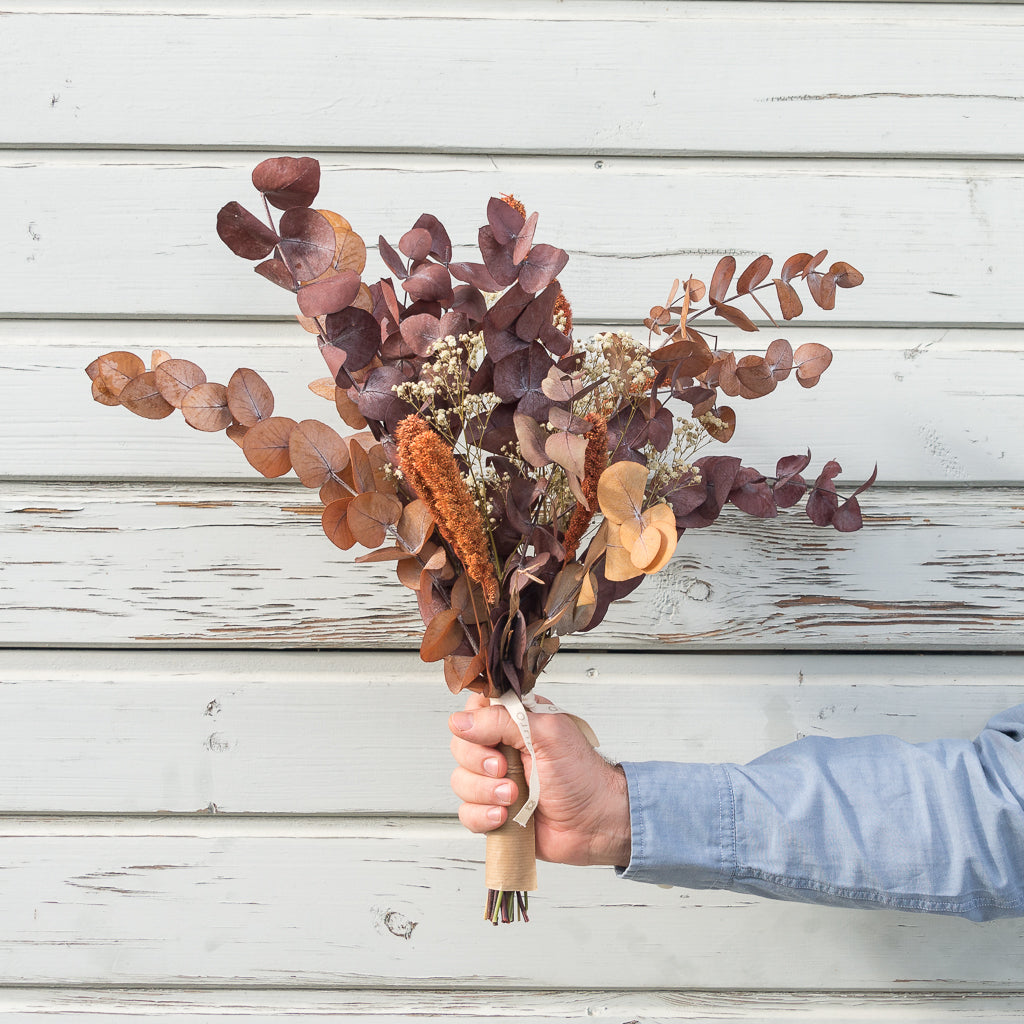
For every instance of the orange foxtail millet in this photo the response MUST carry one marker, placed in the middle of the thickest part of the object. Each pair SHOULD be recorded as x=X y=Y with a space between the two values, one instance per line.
x=428 y=464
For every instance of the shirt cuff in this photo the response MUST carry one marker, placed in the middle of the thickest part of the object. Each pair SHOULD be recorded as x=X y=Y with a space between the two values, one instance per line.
x=683 y=822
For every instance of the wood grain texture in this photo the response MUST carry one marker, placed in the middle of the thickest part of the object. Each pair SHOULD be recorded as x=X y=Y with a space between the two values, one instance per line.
x=392 y=903
x=363 y=1006
x=205 y=565
x=814 y=78
x=928 y=404
x=261 y=732
x=630 y=225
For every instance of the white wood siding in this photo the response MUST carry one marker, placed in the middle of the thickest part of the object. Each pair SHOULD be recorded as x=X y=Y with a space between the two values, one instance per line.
x=224 y=769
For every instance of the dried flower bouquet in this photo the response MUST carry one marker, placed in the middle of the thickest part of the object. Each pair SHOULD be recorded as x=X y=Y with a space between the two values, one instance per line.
x=521 y=480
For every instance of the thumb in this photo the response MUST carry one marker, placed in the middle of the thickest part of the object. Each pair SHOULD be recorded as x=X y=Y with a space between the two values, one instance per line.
x=487 y=726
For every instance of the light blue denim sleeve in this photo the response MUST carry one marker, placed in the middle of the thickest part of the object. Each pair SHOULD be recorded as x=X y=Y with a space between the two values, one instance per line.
x=869 y=822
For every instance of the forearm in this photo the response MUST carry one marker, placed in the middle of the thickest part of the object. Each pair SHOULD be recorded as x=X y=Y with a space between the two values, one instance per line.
x=866 y=822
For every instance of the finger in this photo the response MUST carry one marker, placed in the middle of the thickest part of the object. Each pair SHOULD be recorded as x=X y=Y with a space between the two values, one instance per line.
x=480 y=818
x=478 y=759
x=476 y=789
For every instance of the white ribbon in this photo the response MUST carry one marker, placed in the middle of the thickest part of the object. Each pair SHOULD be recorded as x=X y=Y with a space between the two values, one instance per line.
x=517 y=708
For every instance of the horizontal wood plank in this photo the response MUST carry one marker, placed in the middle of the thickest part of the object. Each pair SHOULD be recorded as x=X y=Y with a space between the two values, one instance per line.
x=927 y=404
x=397 y=904
x=134 y=1006
x=249 y=566
x=144 y=243
x=819 y=78
x=326 y=733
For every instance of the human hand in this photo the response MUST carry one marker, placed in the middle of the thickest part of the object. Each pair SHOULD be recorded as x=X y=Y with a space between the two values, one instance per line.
x=583 y=814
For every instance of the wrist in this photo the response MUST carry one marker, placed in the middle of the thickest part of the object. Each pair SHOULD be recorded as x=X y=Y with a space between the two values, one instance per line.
x=611 y=844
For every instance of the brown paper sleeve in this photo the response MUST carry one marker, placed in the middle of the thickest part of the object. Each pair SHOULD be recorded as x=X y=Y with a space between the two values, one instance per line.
x=511 y=864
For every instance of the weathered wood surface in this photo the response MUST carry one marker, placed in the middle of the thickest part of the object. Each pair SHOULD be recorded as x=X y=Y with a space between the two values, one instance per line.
x=928 y=404
x=319 y=733
x=377 y=903
x=248 y=565
x=810 y=78
x=367 y=1006
x=132 y=234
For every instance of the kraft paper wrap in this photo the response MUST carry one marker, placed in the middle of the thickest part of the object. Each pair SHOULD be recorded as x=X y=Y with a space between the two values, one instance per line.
x=511 y=863
x=511 y=860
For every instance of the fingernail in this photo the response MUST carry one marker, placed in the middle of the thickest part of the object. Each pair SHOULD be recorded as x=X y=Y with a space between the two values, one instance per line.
x=503 y=793
x=495 y=815
x=462 y=720
x=492 y=766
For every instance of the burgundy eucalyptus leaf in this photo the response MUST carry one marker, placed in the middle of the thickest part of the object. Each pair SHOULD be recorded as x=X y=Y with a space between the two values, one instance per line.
x=440 y=243
x=537 y=314
x=721 y=279
x=554 y=340
x=420 y=332
x=823 y=289
x=355 y=332
x=475 y=274
x=796 y=266
x=244 y=233
x=848 y=517
x=377 y=397
x=519 y=377
x=755 y=273
x=430 y=282
x=415 y=243
x=497 y=258
x=845 y=275
x=307 y=242
x=391 y=259
x=525 y=239
x=287 y=181
x=755 y=377
x=504 y=313
x=751 y=494
x=789 y=301
x=329 y=295
x=734 y=315
x=541 y=267
x=276 y=272
x=505 y=221
x=779 y=358
x=823 y=502
x=469 y=301
x=811 y=361
x=718 y=473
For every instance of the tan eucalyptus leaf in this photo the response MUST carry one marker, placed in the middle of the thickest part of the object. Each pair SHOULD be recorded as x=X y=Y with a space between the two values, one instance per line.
x=205 y=407
x=370 y=515
x=266 y=446
x=348 y=410
x=177 y=377
x=114 y=370
x=237 y=433
x=102 y=395
x=157 y=357
x=620 y=492
x=249 y=397
x=323 y=387
x=618 y=566
x=416 y=525
x=142 y=397
x=532 y=438
x=442 y=636
x=318 y=453
x=335 y=523
x=390 y=554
